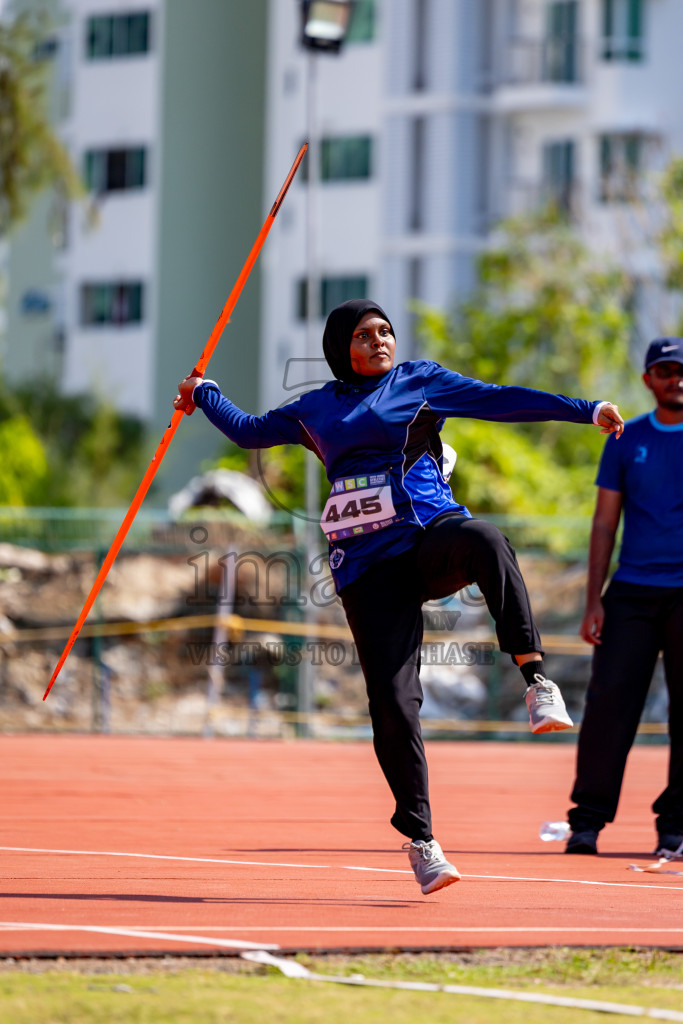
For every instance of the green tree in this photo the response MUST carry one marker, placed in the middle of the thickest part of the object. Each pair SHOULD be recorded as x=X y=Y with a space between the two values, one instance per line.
x=546 y=314
x=281 y=470
x=31 y=156
x=56 y=450
x=73 y=450
x=671 y=237
x=24 y=467
x=549 y=313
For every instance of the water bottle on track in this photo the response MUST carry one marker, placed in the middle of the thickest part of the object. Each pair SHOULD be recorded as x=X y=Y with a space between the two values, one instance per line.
x=554 y=831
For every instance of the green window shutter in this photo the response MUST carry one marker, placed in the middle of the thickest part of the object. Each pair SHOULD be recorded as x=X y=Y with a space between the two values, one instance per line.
x=89 y=171
x=335 y=290
x=608 y=18
x=605 y=166
x=117 y=35
x=345 y=159
x=138 y=33
x=635 y=30
x=95 y=170
x=635 y=19
x=362 y=25
x=560 y=48
x=558 y=173
x=99 y=37
x=301 y=299
x=132 y=305
x=633 y=150
x=135 y=168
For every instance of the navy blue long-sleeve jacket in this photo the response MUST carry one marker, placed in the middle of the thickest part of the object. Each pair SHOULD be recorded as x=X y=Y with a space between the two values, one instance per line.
x=382 y=435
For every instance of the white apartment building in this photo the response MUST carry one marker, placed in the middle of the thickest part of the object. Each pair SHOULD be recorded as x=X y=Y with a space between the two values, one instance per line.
x=160 y=104
x=88 y=312
x=440 y=117
x=107 y=269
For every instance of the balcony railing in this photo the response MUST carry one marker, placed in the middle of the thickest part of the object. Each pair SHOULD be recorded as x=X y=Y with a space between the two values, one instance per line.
x=525 y=197
x=554 y=60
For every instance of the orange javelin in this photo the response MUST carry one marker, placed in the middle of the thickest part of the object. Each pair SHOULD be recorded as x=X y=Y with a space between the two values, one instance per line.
x=165 y=442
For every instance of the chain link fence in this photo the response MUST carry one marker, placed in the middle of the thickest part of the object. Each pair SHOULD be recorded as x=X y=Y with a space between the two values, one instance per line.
x=211 y=625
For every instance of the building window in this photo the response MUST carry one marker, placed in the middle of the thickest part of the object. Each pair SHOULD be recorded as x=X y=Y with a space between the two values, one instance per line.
x=420 y=54
x=116 y=303
x=35 y=302
x=621 y=160
x=346 y=159
x=362 y=25
x=622 y=22
x=117 y=35
x=417 y=176
x=113 y=170
x=558 y=174
x=560 y=48
x=333 y=291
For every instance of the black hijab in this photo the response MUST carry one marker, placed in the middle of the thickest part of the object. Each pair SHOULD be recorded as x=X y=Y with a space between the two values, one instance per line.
x=338 y=333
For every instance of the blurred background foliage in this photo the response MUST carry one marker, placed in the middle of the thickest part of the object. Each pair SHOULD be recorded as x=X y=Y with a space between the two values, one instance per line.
x=671 y=236
x=546 y=314
x=56 y=450
x=281 y=470
x=63 y=451
x=31 y=156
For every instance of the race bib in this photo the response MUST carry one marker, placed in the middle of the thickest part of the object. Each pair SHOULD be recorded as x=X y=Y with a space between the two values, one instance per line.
x=357 y=505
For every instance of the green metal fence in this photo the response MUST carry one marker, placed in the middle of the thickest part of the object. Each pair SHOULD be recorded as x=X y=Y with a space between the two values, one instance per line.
x=93 y=529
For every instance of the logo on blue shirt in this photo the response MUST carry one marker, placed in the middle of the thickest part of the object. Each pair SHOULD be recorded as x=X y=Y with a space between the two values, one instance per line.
x=641 y=453
x=336 y=557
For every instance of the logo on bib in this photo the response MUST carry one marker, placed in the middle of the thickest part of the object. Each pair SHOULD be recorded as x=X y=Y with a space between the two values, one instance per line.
x=336 y=557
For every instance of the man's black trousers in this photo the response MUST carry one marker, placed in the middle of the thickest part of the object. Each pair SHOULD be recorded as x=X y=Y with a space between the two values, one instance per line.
x=640 y=622
x=384 y=611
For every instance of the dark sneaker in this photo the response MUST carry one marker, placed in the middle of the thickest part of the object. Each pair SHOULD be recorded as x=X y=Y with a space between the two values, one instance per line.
x=583 y=842
x=432 y=870
x=545 y=705
x=669 y=844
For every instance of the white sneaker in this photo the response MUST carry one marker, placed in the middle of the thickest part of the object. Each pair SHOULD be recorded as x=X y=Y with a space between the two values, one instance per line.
x=547 y=712
x=432 y=870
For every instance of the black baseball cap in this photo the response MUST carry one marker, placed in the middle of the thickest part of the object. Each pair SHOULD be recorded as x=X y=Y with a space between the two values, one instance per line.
x=664 y=350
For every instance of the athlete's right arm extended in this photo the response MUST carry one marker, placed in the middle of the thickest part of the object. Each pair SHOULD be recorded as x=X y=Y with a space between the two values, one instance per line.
x=279 y=426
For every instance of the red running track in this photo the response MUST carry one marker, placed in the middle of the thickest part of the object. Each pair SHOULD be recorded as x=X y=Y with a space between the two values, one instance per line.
x=133 y=845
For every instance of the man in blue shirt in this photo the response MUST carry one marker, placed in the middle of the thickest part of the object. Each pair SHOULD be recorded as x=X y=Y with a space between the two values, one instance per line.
x=641 y=613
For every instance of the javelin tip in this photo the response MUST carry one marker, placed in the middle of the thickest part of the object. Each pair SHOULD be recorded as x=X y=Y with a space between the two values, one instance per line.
x=288 y=181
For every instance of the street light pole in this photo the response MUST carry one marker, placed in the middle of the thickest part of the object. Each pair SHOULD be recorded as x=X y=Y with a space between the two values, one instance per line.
x=312 y=478
x=324 y=27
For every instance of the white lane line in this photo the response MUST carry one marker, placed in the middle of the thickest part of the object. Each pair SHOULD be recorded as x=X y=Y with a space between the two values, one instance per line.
x=575 y=881
x=134 y=933
x=194 y=860
x=332 y=867
x=294 y=970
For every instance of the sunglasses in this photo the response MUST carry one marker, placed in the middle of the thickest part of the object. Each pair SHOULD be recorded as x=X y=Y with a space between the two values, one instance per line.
x=665 y=371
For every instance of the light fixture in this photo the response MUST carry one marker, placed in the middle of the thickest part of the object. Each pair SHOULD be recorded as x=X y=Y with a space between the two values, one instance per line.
x=325 y=23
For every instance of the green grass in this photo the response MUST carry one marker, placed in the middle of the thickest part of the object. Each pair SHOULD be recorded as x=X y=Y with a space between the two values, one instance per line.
x=229 y=990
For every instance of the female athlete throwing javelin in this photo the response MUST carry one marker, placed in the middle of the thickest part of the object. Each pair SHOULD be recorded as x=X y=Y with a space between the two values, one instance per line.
x=397 y=536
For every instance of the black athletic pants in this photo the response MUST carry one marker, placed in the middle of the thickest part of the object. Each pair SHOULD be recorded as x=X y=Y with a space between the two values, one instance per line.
x=639 y=623
x=384 y=611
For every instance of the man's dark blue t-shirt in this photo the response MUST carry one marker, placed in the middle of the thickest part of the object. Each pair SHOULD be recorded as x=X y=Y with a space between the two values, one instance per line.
x=646 y=465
